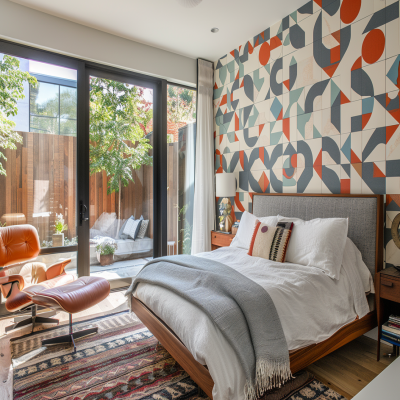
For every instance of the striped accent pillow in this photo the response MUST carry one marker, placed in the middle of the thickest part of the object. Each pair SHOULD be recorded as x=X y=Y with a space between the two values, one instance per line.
x=269 y=242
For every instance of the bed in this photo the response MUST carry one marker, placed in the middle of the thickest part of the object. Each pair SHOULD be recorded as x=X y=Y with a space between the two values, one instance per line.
x=365 y=214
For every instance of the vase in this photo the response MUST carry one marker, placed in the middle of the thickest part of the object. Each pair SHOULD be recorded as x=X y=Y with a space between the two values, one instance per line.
x=58 y=239
x=222 y=226
x=105 y=259
x=228 y=223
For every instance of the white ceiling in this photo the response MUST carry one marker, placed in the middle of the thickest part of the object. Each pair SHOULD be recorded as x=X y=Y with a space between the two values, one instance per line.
x=168 y=25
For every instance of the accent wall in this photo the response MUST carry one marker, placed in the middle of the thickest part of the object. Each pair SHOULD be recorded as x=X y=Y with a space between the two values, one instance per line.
x=311 y=105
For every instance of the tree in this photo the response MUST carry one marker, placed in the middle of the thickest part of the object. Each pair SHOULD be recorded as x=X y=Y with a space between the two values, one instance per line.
x=11 y=90
x=119 y=117
x=181 y=104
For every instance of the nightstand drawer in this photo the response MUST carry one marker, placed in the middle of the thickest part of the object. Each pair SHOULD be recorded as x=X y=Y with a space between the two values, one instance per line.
x=221 y=239
x=390 y=289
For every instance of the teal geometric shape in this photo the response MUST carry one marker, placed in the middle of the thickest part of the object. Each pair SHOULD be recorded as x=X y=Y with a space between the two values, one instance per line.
x=219 y=120
x=275 y=138
x=271 y=126
x=279 y=30
x=288 y=182
x=301 y=123
x=294 y=16
x=292 y=62
x=299 y=110
x=222 y=74
x=286 y=42
x=367 y=105
x=294 y=96
x=231 y=70
x=316 y=134
x=268 y=68
x=286 y=163
x=231 y=137
x=228 y=100
x=218 y=92
x=226 y=150
x=219 y=113
x=346 y=148
x=241 y=196
x=241 y=70
x=393 y=73
x=276 y=108
x=334 y=92
x=253 y=118
x=258 y=82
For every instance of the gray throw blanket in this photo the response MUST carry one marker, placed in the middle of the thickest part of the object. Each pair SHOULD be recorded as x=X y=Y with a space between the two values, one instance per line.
x=239 y=307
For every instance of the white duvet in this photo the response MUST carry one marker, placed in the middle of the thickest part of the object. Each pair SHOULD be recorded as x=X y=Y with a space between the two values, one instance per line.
x=311 y=306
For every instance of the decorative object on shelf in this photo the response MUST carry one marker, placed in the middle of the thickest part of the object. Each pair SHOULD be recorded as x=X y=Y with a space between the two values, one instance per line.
x=235 y=227
x=225 y=187
x=105 y=252
x=59 y=227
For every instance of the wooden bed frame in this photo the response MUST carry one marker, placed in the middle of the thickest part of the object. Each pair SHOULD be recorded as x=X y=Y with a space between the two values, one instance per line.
x=300 y=358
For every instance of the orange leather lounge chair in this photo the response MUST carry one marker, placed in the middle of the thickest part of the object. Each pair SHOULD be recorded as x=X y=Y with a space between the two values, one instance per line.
x=18 y=244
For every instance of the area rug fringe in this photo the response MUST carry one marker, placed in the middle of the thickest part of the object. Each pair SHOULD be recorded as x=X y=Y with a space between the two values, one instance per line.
x=270 y=374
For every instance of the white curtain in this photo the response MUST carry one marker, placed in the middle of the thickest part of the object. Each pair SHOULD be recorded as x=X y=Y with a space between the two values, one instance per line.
x=204 y=196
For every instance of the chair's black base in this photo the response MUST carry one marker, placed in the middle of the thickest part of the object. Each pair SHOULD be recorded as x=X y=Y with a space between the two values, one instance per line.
x=34 y=319
x=71 y=336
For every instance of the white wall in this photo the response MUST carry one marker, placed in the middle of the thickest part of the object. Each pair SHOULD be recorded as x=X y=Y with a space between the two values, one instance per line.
x=27 y=26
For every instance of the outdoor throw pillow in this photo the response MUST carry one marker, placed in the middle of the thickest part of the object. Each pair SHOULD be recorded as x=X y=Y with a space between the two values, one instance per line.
x=143 y=228
x=269 y=242
x=132 y=228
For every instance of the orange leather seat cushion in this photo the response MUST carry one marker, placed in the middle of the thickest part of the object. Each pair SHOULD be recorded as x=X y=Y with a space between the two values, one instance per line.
x=74 y=297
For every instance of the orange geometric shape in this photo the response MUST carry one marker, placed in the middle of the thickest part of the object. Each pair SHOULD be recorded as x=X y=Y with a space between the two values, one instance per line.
x=358 y=168
x=357 y=64
x=260 y=128
x=215 y=86
x=280 y=116
x=343 y=98
x=261 y=154
x=288 y=176
x=336 y=35
x=223 y=100
x=373 y=46
x=233 y=53
x=349 y=10
x=390 y=130
x=318 y=164
x=287 y=84
x=275 y=42
x=345 y=186
x=241 y=158
x=236 y=138
x=319 y=2
x=236 y=122
x=395 y=114
x=226 y=111
x=239 y=205
x=237 y=76
x=388 y=199
x=242 y=84
x=293 y=160
x=262 y=34
x=264 y=54
x=221 y=138
x=263 y=182
x=353 y=158
x=330 y=70
x=335 y=54
x=250 y=48
x=365 y=118
x=377 y=172
x=286 y=127
x=388 y=99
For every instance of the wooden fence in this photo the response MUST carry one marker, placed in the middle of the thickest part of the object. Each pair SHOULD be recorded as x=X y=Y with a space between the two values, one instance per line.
x=41 y=182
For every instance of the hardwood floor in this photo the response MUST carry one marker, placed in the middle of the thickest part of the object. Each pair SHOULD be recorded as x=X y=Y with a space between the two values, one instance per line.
x=347 y=370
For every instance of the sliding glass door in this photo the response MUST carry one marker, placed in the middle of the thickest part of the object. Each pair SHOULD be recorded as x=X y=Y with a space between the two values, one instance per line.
x=121 y=140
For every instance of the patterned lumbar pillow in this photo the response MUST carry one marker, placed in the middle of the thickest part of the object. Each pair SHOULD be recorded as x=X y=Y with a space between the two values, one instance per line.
x=269 y=242
x=143 y=228
x=132 y=228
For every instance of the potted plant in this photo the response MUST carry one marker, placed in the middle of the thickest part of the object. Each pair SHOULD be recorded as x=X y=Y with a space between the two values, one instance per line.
x=105 y=252
x=59 y=227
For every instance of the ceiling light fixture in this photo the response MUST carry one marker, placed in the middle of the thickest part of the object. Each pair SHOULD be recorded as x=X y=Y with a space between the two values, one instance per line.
x=189 y=3
x=214 y=30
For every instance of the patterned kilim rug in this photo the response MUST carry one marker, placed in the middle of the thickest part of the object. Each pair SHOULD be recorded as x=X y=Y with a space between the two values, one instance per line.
x=122 y=361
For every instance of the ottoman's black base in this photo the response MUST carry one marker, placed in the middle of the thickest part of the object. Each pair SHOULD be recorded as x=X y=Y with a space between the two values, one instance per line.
x=70 y=338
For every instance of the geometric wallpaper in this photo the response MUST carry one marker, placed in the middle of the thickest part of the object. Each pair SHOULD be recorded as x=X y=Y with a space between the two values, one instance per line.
x=311 y=105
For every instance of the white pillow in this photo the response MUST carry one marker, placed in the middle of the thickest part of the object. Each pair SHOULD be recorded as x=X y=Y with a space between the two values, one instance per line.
x=318 y=243
x=132 y=228
x=245 y=231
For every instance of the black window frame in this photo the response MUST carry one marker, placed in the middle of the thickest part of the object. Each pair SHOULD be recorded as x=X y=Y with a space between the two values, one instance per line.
x=84 y=69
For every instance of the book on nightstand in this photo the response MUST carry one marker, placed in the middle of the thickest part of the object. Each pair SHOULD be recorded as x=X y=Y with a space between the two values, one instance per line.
x=391 y=329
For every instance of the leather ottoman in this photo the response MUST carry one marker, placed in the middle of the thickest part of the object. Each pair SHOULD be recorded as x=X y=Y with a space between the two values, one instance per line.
x=72 y=298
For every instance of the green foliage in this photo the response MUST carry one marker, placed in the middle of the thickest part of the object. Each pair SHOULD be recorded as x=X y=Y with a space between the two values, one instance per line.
x=118 y=120
x=59 y=226
x=181 y=104
x=106 y=247
x=11 y=90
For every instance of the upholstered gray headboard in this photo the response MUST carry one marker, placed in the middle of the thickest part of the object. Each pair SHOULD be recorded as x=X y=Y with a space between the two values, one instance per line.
x=365 y=214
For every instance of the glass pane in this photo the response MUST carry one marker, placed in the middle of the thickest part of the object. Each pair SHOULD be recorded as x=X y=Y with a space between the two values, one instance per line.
x=121 y=178
x=181 y=162
x=68 y=127
x=39 y=179
x=68 y=101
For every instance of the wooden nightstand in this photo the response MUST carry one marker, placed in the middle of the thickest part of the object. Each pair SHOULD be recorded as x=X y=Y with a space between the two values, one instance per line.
x=387 y=288
x=219 y=239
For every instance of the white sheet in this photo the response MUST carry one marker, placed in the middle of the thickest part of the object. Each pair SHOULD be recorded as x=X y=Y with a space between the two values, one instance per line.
x=311 y=307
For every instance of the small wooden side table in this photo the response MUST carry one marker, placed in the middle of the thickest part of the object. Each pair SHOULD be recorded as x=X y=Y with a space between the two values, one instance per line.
x=387 y=289
x=220 y=239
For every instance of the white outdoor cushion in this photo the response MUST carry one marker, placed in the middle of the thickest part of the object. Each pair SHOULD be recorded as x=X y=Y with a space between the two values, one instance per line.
x=132 y=228
x=318 y=243
x=246 y=228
